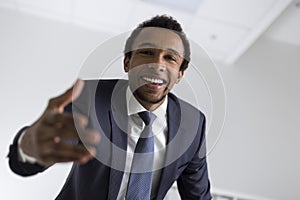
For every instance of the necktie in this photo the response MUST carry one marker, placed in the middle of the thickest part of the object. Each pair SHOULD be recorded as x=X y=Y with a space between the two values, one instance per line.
x=140 y=180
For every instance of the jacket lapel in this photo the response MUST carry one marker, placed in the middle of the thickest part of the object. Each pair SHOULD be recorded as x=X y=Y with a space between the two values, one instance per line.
x=118 y=149
x=119 y=123
x=174 y=117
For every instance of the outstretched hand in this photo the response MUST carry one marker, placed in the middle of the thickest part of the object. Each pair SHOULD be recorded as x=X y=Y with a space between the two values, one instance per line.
x=48 y=139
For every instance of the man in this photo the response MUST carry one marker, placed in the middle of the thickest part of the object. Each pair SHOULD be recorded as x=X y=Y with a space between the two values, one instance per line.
x=106 y=128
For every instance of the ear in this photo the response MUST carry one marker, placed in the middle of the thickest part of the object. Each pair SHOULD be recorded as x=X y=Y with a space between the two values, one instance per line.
x=126 y=62
x=180 y=75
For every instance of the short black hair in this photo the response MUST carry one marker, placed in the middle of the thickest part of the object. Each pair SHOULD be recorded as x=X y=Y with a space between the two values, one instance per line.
x=161 y=21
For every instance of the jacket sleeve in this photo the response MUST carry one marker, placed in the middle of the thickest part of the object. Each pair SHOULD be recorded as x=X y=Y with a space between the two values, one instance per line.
x=17 y=166
x=194 y=183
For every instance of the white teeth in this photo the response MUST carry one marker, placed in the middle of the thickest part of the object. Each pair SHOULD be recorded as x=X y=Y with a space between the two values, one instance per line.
x=153 y=80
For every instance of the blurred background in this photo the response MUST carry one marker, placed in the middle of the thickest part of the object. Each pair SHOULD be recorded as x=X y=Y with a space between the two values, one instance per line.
x=254 y=43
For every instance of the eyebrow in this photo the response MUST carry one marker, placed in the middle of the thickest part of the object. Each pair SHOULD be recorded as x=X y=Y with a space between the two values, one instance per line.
x=148 y=44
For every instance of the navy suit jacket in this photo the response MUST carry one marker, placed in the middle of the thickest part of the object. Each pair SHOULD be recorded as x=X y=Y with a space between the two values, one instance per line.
x=104 y=102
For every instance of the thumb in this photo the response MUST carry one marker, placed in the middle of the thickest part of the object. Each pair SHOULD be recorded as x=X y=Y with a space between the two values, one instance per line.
x=58 y=103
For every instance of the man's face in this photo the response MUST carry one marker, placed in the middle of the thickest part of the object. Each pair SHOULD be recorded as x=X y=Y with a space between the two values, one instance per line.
x=154 y=66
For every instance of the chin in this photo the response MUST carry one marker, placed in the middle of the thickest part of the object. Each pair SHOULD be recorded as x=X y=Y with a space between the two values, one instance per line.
x=147 y=99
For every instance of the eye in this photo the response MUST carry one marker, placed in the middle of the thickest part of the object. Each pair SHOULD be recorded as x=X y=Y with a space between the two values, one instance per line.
x=171 y=58
x=146 y=52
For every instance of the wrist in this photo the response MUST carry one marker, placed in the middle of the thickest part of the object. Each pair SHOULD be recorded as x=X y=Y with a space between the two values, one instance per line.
x=23 y=156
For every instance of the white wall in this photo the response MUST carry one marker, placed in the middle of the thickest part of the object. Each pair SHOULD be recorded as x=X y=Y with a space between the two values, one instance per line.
x=257 y=151
x=39 y=59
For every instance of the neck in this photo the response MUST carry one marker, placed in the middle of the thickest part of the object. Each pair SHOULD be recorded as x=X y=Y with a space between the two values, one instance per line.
x=149 y=105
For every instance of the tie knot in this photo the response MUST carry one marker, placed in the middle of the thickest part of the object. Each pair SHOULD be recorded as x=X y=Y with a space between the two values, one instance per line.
x=147 y=117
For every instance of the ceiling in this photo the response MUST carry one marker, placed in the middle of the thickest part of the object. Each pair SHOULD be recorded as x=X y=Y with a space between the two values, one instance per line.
x=226 y=29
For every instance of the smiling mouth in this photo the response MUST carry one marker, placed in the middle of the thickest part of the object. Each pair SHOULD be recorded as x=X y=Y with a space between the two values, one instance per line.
x=151 y=80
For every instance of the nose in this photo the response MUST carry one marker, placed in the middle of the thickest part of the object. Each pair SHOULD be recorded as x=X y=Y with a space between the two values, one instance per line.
x=157 y=67
x=158 y=63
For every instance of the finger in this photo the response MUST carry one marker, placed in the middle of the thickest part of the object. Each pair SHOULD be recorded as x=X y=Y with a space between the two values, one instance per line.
x=63 y=126
x=88 y=137
x=58 y=103
x=62 y=159
x=66 y=152
x=45 y=134
x=70 y=135
x=59 y=159
x=52 y=134
x=65 y=119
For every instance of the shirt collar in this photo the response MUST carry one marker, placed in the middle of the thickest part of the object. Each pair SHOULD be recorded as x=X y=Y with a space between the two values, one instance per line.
x=134 y=107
